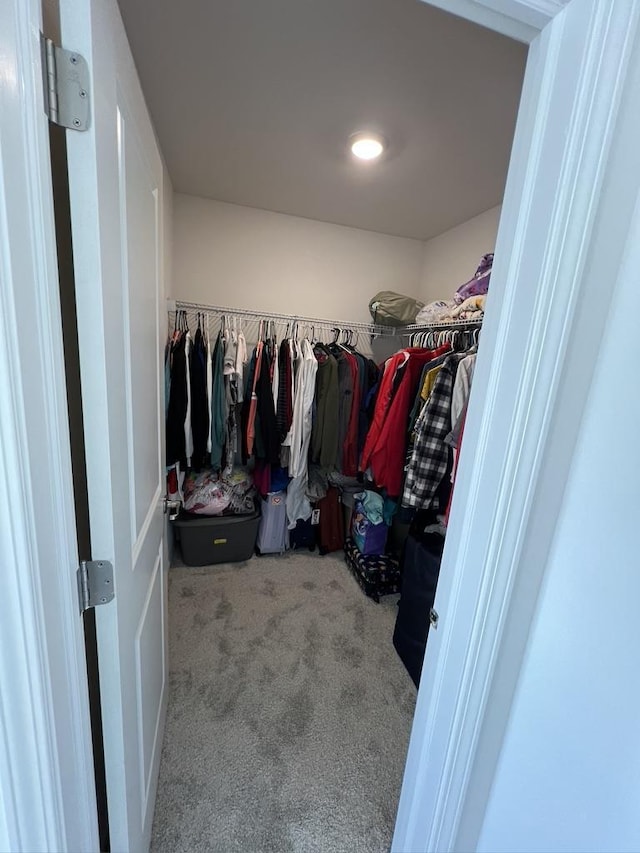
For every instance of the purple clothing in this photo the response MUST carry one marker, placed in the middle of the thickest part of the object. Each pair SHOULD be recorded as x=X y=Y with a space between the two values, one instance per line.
x=479 y=284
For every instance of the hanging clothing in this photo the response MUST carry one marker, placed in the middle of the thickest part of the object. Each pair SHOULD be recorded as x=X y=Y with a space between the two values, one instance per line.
x=383 y=401
x=241 y=362
x=199 y=411
x=188 y=432
x=230 y=352
x=427 y=381
x=305 y=392
x=430 y=457
x=275 y=375
x=266 y=422
x=218 y=405
x=462 y=387
x=295 y=361
x=347 y=377
x=454 y=440
x=209 y=378
x=167 y=379
x=324 y=435
x=285 y=390
x=388 y=456
x=253 y=400
x=369 y=375
x=177 y=409
x=352 y=408
x=248 y=390
x=231 y=406
x=298 y=505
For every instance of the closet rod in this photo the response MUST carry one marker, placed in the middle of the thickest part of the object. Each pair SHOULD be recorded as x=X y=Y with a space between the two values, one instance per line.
x=370 y=328
x=445 y=324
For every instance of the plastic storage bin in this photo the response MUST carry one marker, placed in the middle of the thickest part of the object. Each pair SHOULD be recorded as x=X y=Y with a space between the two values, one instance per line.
x=206 y=540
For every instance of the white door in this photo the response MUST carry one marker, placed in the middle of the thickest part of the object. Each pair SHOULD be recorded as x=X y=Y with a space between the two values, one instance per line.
x=47 y=793
x=116 y=188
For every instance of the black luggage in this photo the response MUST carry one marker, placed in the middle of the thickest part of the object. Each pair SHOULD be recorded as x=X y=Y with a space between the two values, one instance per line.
x=420 y=570
x=377 y=574
x=330 y=522
x=303 y=535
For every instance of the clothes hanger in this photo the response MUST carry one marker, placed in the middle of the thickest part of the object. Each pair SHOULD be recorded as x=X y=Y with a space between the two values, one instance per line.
x=341 y=344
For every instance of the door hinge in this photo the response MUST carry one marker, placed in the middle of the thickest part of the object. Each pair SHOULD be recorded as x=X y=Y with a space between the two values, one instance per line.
x=66 y=86
x=433 y=618
x=95 y=583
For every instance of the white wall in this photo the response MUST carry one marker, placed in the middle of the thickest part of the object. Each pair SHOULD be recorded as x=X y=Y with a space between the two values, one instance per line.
x=569 y=773
x=241 y=257
x=167 y=229
x=452 y=258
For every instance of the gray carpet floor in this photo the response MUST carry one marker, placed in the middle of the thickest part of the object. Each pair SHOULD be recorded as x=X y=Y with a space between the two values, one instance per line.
x=289 y=711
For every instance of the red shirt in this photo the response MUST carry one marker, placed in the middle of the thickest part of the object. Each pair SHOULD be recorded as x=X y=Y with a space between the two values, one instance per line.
x=383 y=401
x=387 y=455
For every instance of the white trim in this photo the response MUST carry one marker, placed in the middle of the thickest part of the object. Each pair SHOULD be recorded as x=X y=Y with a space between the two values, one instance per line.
x=146 y=774
x=521 y=20
x=498 y=539
x=46 y=768
x=146 y=524
x=38 y=811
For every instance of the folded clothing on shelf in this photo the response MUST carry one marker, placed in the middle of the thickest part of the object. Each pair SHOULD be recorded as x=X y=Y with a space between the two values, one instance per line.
x=436 y=312
x=479 y=284
x=472 y=308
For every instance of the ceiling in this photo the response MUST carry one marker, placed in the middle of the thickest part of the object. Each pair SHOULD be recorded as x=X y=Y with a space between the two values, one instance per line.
x=254 y=100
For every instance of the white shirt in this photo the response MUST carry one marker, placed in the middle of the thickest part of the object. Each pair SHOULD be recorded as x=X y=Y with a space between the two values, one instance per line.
x=298 y=505
x=241 y=360
x=462 y=387
x=230 y=352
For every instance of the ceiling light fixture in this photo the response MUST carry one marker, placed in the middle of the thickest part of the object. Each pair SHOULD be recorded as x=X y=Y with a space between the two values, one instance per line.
x=366 y=146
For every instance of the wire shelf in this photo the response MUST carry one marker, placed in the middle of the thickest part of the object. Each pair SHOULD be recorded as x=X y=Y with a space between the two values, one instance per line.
x=446 y=324
x=375 y=330
x=256 y=316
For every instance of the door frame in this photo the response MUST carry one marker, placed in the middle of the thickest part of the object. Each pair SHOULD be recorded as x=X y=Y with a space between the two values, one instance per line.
x=518 y=442
x=539 y=349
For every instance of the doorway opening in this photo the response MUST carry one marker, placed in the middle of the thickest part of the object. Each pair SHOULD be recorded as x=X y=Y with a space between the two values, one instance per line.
x=319 y=260
x=290 y=631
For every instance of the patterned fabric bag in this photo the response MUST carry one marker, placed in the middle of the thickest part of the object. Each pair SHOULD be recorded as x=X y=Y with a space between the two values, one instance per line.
x=368 y=529
x=377 y=575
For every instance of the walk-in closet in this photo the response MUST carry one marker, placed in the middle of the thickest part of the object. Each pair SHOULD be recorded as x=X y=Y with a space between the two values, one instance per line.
x=305 y=292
